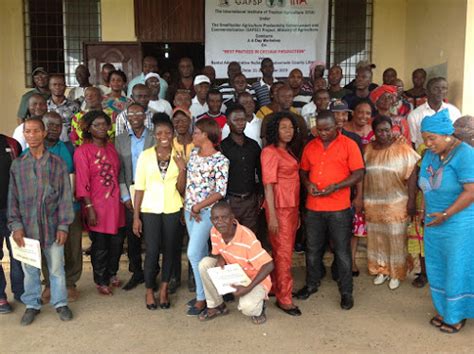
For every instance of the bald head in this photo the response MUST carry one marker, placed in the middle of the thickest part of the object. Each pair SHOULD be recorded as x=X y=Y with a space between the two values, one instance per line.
x=37 y=105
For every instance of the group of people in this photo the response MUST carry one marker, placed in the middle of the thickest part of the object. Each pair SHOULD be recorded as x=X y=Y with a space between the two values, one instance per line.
x=248 y=172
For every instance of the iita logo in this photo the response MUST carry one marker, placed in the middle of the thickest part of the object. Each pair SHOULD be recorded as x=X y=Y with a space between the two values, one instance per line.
x=272 y=3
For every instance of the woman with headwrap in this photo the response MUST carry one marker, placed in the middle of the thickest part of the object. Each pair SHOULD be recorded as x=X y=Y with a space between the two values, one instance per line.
x=384 y=98
x=447 y=181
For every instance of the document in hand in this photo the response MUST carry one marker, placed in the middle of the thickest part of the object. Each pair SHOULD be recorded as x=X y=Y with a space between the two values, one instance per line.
x=30 y=254
x=232 y=274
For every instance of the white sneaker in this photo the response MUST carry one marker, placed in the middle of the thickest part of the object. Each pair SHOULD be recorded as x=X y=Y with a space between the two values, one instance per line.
x=393 y=284
x=380 y=279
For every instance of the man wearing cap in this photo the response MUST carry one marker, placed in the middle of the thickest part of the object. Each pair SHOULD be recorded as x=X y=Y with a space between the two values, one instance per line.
x=40 y=83
x=129 y=145
x=198 y=104
x=156 y=104
x=149 y=65
x=362 y=65
x=140 y=95
x=437 y=90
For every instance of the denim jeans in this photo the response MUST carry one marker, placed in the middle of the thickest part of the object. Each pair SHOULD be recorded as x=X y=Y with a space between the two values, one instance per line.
x=322 y=226
x=16 y=273
x=54 y=255
x=198 y=247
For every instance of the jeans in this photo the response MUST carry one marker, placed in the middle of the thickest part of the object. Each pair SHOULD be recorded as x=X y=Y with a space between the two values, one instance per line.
x=335 y=226
x=54 y=255
x=16 y=273
x=198 y=245
x=106 y=250
x=160 y=232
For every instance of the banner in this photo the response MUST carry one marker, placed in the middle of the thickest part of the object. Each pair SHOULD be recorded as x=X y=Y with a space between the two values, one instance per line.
x=293 y=33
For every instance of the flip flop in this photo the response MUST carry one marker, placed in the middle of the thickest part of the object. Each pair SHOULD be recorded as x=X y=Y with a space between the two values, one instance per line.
x=436 y=321
x=220 y=311
x=262 y=318
x=451 y=329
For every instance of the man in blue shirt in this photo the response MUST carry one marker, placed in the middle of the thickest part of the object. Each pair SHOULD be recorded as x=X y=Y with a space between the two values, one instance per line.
x=129 y=146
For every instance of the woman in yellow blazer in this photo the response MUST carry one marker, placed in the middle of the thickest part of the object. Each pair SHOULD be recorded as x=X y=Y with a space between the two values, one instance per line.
x=160 y=180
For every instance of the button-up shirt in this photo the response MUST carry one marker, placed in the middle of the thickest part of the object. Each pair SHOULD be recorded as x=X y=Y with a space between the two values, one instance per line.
x=40 y=197
x=330 y=165
x=244 y=168
x=252 y=130
x=417 y=115
x=137 y=145
x=66 y=109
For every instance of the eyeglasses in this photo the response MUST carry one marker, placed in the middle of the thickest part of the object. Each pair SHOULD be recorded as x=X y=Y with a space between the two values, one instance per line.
x=138 y=114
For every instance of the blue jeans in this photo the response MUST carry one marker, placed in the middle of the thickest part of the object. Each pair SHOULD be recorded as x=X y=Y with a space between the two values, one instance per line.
x=198 y=247
x=16 y=273
x=32 y=296
x=322 y=226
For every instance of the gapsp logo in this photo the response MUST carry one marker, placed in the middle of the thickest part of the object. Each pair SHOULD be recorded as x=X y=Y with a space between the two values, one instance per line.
x=223 y=3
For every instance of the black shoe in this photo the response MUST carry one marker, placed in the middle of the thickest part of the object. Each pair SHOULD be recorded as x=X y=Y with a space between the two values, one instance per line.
x=295 y=311
x=173 y=285
x=133 y=282
x=165 y=305
x=65 y=313
x=228 y=297
x=299 y=248
x=355 y=273
x=305 y=292
x=347 y=301
x=29 y=316
x=191 y=283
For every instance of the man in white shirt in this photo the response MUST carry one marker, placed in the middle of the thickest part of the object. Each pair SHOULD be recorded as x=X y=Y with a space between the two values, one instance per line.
x=198 y=104
x=254 y=124
x=156 y=104
x=37 y=107
x=437 y=90
x=107 y=68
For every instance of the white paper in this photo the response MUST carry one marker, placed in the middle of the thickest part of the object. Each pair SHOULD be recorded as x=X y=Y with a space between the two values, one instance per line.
x=30 y=254
x=224 y=278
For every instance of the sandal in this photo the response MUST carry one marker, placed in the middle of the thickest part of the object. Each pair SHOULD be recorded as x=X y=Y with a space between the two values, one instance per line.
x=436 y=321
x=219 y=311
x=420 y=281
x=451 y=329
x=262 y=318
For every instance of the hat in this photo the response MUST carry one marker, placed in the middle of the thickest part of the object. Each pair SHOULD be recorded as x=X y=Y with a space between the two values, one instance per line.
x=439 y=123
x=150 y=75
x=182 y=110
x=339 y=106
x=364 y=64
x=37 y=70
x=201 y=79
x=380 y=90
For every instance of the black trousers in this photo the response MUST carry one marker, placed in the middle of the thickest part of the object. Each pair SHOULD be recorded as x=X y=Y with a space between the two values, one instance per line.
x=245 y=210
x=176 y=271
x=106 y=250
x=134 y=250
x=160 y=232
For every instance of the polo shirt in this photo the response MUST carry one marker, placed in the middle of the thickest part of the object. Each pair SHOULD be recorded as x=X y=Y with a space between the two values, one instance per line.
x=252 y=130
x=244 y=165
x=418 y=114
x=160 y=195
x=197 y=108
x=66 y=109
x=262 y=92
x=328 y=166
x=245 y=250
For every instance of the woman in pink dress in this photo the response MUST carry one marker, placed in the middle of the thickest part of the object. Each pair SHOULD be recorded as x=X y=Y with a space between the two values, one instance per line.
x=97 y=169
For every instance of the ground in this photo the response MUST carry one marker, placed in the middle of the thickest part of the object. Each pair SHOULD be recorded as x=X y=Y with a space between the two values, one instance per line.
x=381 y=321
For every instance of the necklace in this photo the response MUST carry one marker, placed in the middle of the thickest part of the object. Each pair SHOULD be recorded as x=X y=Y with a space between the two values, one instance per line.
x=442 y=157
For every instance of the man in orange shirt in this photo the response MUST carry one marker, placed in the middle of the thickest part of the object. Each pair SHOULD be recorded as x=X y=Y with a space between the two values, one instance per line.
x=233 y=243
x=330 y=165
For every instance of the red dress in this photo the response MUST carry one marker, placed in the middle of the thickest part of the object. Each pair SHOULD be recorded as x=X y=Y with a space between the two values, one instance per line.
x=281 y=169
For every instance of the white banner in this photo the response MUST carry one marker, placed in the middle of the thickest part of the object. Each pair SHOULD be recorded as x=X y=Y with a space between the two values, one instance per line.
x=293 y=33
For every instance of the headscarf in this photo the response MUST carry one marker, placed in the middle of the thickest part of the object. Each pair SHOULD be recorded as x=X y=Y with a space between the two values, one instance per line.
x=313 y=66
x=380 y=90
x=439 y=123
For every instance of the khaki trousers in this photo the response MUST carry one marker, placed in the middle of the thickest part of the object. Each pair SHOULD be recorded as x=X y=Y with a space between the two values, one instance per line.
x=250 y=304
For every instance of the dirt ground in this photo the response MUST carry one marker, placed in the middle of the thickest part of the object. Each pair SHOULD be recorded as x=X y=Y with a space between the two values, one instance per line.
x=381 y=321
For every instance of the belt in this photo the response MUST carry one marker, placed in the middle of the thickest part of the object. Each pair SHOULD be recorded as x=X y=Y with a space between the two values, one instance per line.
x=240 y=196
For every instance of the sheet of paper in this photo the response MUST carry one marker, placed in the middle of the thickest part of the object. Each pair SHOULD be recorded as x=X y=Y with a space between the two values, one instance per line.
x=224 y=278
x=30 y=254
x=132 y=194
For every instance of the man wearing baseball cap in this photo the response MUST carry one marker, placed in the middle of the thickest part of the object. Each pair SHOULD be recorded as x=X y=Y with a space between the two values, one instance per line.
x=201 y=87
x=40 y=82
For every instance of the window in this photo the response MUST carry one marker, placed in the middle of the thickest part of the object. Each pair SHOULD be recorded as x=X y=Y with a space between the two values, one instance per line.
x=54 y=33
x=350 y=34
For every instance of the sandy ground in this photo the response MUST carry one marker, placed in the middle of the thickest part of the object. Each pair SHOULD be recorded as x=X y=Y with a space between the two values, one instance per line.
x=381 y=321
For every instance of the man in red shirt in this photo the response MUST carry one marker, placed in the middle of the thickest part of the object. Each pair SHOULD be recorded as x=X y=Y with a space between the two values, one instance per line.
x=330 y=165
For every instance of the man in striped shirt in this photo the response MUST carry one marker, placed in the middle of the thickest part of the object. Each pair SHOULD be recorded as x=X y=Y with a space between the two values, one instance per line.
x=233 y=243
x=228 y=89
x=262 y=86
x=300 y=97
